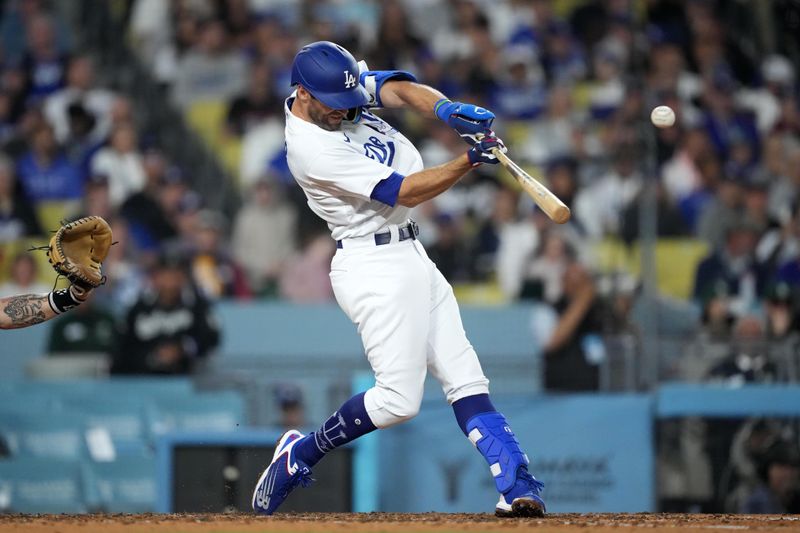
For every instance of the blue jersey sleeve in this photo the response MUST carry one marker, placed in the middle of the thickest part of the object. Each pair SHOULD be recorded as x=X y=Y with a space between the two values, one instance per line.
x=387 y=190
x=373 y=80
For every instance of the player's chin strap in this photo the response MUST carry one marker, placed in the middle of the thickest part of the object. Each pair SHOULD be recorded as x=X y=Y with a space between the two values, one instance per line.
x=490 y=433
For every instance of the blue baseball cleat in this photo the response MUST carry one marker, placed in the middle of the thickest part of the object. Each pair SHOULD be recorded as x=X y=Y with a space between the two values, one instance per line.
x=282 y=475
x=524 y=499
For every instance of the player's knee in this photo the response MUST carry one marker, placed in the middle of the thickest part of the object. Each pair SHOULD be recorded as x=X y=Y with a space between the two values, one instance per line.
x=389 y=406
x=403 y=406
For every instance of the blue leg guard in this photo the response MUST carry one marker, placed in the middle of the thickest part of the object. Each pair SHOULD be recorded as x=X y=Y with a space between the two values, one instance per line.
x=489 y=432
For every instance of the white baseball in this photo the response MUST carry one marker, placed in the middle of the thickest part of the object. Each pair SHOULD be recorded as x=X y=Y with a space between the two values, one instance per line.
x=662 y=116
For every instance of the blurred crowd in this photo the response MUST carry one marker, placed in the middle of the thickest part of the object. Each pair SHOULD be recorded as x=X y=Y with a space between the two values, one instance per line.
x=571 y=83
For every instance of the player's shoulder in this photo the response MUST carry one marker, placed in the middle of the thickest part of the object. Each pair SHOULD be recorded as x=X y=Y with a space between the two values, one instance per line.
x=307 y=150
x=319 y=143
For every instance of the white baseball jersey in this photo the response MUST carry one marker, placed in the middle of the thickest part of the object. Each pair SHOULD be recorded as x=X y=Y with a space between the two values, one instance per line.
x=338 y=170
x=403 y=307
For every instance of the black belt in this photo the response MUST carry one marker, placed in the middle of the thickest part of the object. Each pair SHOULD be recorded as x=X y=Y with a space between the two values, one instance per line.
x=409 y=231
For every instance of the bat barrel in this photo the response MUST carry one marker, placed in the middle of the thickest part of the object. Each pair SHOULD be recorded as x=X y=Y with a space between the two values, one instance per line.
x=561 y=214
x=544 y=197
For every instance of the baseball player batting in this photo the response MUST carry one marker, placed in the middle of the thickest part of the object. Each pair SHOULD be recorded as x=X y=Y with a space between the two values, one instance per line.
x=362 y=177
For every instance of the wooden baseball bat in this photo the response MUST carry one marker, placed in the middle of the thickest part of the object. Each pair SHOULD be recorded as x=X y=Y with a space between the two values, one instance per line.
x=544 y=198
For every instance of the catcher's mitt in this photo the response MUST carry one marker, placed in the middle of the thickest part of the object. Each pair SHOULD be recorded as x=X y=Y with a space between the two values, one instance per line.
x=78 y=249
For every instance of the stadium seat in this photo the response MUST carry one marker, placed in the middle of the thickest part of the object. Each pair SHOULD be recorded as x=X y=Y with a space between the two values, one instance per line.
x=123 y=417
x=11 y=249
x=108 y=419
x=23 y=402
x=488 y=293
x=580 y=95
x=207 y=118
x=676 y=261
x=124 y=486
x=7 y=252
x=158 y=387
x=217 y=411
x=230 y=153
x=51 y=435
x=51 y=212
x=68 y=366
x=33 y=485
x=611 y=255
x=68 y=388
x=516 y=132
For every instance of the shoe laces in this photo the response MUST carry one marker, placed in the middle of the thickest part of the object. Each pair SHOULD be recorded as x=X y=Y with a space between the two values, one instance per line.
x=534 y=484
x=302 y=477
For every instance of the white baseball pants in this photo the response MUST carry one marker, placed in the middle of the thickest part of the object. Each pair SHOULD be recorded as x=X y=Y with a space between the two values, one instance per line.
x=409 y=322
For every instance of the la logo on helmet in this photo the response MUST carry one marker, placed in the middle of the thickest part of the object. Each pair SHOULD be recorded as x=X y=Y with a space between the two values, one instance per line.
x=349 y=80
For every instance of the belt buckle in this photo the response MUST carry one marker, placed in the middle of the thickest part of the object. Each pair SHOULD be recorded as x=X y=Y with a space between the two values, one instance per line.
x=414 y=228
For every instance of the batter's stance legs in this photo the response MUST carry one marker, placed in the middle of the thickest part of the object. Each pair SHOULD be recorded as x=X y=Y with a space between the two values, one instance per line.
x=295 y=454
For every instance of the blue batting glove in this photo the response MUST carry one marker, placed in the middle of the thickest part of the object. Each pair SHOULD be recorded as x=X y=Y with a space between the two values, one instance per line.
x=467 y=119
x=482 y=151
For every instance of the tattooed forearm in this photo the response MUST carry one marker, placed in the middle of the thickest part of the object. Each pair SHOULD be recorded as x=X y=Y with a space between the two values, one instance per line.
x=26 y=310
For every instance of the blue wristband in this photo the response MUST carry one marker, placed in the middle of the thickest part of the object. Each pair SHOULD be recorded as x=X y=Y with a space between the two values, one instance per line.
x=442 y=108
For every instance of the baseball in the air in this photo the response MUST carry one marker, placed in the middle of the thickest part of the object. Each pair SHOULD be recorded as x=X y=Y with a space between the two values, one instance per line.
x=662 y=116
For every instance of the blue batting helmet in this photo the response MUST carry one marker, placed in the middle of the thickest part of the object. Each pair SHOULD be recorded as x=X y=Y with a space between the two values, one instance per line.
x=330 y=73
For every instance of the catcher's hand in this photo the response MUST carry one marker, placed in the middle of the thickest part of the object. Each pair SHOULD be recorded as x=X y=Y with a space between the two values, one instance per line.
x=78 y=249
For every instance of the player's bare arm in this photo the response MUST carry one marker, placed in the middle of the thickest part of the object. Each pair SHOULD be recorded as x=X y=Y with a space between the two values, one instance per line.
x=25 y=310
x=419 y=97
x=431 y=182
x=31 y=309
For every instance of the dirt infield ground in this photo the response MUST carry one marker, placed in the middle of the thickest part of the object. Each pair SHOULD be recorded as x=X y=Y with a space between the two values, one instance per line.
x=390 y=523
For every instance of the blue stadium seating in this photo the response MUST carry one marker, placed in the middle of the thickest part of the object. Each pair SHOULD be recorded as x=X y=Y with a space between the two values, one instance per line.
x=48 y=426
x=20 y=346
x=45 y=435
x=33 y=485
x=122 y=416
x=24 y=402
x=116 y=386
x=216 y=411
x=124 y=486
